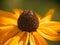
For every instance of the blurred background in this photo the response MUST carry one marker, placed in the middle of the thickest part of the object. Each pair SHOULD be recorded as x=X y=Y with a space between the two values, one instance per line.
x=39 y=6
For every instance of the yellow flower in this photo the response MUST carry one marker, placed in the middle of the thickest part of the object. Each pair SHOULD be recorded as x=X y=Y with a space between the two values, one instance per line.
x=22 y=26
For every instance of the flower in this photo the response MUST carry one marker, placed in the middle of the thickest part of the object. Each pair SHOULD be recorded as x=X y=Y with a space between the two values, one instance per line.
x=22 y=26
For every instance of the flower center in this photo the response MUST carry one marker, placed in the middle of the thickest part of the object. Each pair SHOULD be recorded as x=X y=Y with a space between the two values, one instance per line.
x=28 y=21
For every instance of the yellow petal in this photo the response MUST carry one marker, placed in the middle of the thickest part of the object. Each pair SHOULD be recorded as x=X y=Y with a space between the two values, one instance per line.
x=10 y=32
x=24 y=39
x=12 y=41
x=21 y=35
x=53 y=25
x=48 y=31
x=7 y=14
x=4 y=29
x=48 y=36
x=18 y=35
x=20 y=43
x=32 y=41
x=38 y=39
x=17 y=12
x=7 y=21
x=48 y=16
x=7 y=42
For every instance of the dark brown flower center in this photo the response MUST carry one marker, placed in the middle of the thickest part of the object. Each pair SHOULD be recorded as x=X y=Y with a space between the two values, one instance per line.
x=28 y=21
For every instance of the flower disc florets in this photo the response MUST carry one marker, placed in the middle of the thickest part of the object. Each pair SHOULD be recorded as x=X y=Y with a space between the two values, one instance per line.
x=28 y=21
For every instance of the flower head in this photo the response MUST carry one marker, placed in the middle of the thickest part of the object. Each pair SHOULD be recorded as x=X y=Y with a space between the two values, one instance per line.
x=25 y=26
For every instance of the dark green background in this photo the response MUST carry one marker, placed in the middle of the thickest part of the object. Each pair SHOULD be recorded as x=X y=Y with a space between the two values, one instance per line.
x=39 y=6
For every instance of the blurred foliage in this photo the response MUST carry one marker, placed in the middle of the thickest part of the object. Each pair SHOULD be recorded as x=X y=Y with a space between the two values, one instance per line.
x=39 y=6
